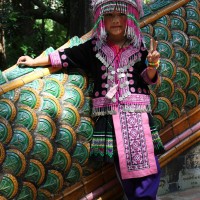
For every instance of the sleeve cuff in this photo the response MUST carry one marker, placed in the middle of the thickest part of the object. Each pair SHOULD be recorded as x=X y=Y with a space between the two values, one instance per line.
x=147 y=79
x=55 y=59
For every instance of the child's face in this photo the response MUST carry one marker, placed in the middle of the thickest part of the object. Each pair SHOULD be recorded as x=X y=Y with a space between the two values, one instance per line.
x=115 y=24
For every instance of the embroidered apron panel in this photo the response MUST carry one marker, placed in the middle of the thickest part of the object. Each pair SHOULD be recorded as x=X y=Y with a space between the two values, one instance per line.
x=134 y=144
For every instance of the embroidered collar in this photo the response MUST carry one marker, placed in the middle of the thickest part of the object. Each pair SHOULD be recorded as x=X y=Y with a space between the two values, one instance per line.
x=116 y=72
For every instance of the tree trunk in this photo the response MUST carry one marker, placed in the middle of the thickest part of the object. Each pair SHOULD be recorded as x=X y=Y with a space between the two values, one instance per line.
x=80 y=17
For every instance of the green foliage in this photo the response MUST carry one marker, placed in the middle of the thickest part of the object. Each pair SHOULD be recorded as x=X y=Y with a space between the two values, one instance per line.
x=42 y=37
x=32 y=26
x=27 y=35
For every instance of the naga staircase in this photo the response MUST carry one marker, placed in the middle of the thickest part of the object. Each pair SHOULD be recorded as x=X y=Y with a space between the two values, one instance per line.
x=45 y=123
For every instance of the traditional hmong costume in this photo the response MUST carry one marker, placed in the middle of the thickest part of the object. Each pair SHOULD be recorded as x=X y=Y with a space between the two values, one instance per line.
x=121 y=97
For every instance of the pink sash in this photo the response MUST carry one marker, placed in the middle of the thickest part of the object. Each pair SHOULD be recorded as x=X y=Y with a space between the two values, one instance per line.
x=134 y=144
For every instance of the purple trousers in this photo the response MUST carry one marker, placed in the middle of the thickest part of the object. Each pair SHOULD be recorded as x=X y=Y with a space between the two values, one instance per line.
x=144 y=188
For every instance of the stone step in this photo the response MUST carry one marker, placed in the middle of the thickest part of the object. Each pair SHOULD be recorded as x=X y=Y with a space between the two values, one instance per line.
x=189 y=194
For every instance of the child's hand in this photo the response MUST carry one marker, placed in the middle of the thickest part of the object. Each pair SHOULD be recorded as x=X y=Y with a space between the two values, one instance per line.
x=153 y=55
x=25 y=60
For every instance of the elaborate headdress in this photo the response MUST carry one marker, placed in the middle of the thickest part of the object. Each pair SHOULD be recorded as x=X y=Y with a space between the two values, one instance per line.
x=132 y=8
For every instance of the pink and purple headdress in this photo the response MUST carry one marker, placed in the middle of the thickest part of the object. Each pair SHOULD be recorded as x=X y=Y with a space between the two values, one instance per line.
x=132 y=8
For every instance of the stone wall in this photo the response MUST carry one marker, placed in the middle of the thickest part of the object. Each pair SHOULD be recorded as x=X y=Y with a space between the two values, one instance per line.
x=182 y=173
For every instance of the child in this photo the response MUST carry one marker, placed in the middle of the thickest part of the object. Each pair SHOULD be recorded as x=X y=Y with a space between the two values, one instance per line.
x=116 y=58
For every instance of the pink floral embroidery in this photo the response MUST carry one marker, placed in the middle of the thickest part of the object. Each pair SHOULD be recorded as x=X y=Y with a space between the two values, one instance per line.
x=104 y=92
x=65 y=64
x=132 y=89
x=96 y=94
x=103 y=77
x=131 y=69
x=131 y=82
x=103 y=85
x=63 y=57
x=103 y=68
x=139 y=90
